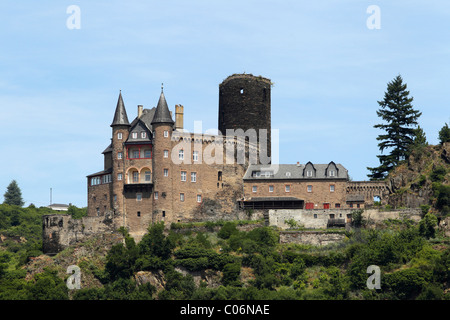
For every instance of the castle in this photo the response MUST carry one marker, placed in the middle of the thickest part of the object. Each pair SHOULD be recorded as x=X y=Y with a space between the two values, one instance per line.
x=154 y=170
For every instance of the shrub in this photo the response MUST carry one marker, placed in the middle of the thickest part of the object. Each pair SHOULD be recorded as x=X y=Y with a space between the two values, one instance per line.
x=231 y=273
x=438 y=174
x=227 y=230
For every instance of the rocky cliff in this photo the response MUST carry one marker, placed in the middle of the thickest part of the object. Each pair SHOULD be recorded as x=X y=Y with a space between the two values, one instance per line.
x=411 y=183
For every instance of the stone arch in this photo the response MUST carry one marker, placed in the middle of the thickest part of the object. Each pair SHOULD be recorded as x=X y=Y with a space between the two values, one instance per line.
x=132 y=175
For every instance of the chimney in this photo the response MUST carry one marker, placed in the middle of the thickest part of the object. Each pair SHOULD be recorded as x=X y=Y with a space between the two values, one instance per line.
x=298 y=164
x=140 y=109
x=179 y=116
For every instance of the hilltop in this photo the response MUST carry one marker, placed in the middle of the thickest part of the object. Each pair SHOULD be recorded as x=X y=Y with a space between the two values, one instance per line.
x=423 y=180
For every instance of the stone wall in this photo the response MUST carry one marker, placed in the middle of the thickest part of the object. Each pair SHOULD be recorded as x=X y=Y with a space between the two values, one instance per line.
x=311 y=219
x=318 y=219
x=374 y=216
x=60 y=231
x=316 y=238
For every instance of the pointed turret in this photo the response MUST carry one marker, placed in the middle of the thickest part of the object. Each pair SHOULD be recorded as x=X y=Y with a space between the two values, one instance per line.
x=120 y=116
x=162 y=113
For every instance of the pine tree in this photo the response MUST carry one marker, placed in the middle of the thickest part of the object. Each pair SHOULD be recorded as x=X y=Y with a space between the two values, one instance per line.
x=400 y=127
x=444 y=134
x=13 y=194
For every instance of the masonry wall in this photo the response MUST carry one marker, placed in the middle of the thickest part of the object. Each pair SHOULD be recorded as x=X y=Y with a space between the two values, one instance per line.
x=311 y=219
x=244 y=103
x=311 y=237
x=99 y=199
x=319 y=196
x=318 y=219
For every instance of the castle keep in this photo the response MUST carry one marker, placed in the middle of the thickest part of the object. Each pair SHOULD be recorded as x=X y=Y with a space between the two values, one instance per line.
x=154 y=170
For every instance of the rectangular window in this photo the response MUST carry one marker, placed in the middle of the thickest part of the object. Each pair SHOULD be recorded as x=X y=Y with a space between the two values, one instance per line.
x=106 y=178
x=181 y=154
x=270 y=188
x=166 y=133
x=337 y=205
x=254 y=188
x=182 y=197
x=287 y=188
x=135 y=154
x=199 y=198
x=134 y=135
x=166 y=153
x=148 y=176
x=193 y=176
x=138 y=196
x=119 y=176
x=183 y=175
x=332 y=173
x=166 y=172
x=309 y=188
x=315 y=215
x=195 y=156
x=135 y=176
x=155 y=195
x=119 y=155
x=119 y=135
x=147 y=154
x=331 y=187
x=143 y=135
x=138 y=213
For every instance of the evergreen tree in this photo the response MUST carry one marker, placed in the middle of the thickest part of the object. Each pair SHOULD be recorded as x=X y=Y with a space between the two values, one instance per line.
x=444 y=134
x=400 y=127
x=13 y=194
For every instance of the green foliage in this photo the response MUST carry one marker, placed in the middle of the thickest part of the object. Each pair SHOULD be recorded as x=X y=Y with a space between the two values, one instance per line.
x=48 y=286
x=399 y=127
x=357 y=218
x=13 y=195
x=406 y=283
x=228 y=229
x=438 y=174
x=444 y=134
x=155 y=243
x=442 y=193
x=231 y=272
x=427 y=225
x=383 y=249
x=77 y=213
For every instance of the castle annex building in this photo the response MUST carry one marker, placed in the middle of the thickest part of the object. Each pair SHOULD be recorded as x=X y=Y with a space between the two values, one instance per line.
x=156 y=171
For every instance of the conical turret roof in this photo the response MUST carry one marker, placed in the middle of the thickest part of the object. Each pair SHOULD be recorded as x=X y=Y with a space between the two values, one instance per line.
x=162 y=113
x=120 y=116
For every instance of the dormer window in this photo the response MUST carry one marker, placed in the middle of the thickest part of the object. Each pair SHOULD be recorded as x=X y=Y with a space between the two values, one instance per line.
x=134 y=135
x=332 y=173
x=309 y=173
x=143 y=135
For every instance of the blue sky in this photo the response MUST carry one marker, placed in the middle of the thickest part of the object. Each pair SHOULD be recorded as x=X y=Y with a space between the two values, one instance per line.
x=59 y=86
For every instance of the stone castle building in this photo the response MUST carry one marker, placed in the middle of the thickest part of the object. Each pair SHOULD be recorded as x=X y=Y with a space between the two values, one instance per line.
x=154 y=170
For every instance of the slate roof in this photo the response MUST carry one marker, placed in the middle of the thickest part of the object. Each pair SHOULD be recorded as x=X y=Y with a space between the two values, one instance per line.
x=100 y=173
x=293 y=172
x=120 y=115
x=162 y=113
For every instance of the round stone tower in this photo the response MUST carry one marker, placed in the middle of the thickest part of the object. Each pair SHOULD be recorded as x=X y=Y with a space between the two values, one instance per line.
x=244 y=103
